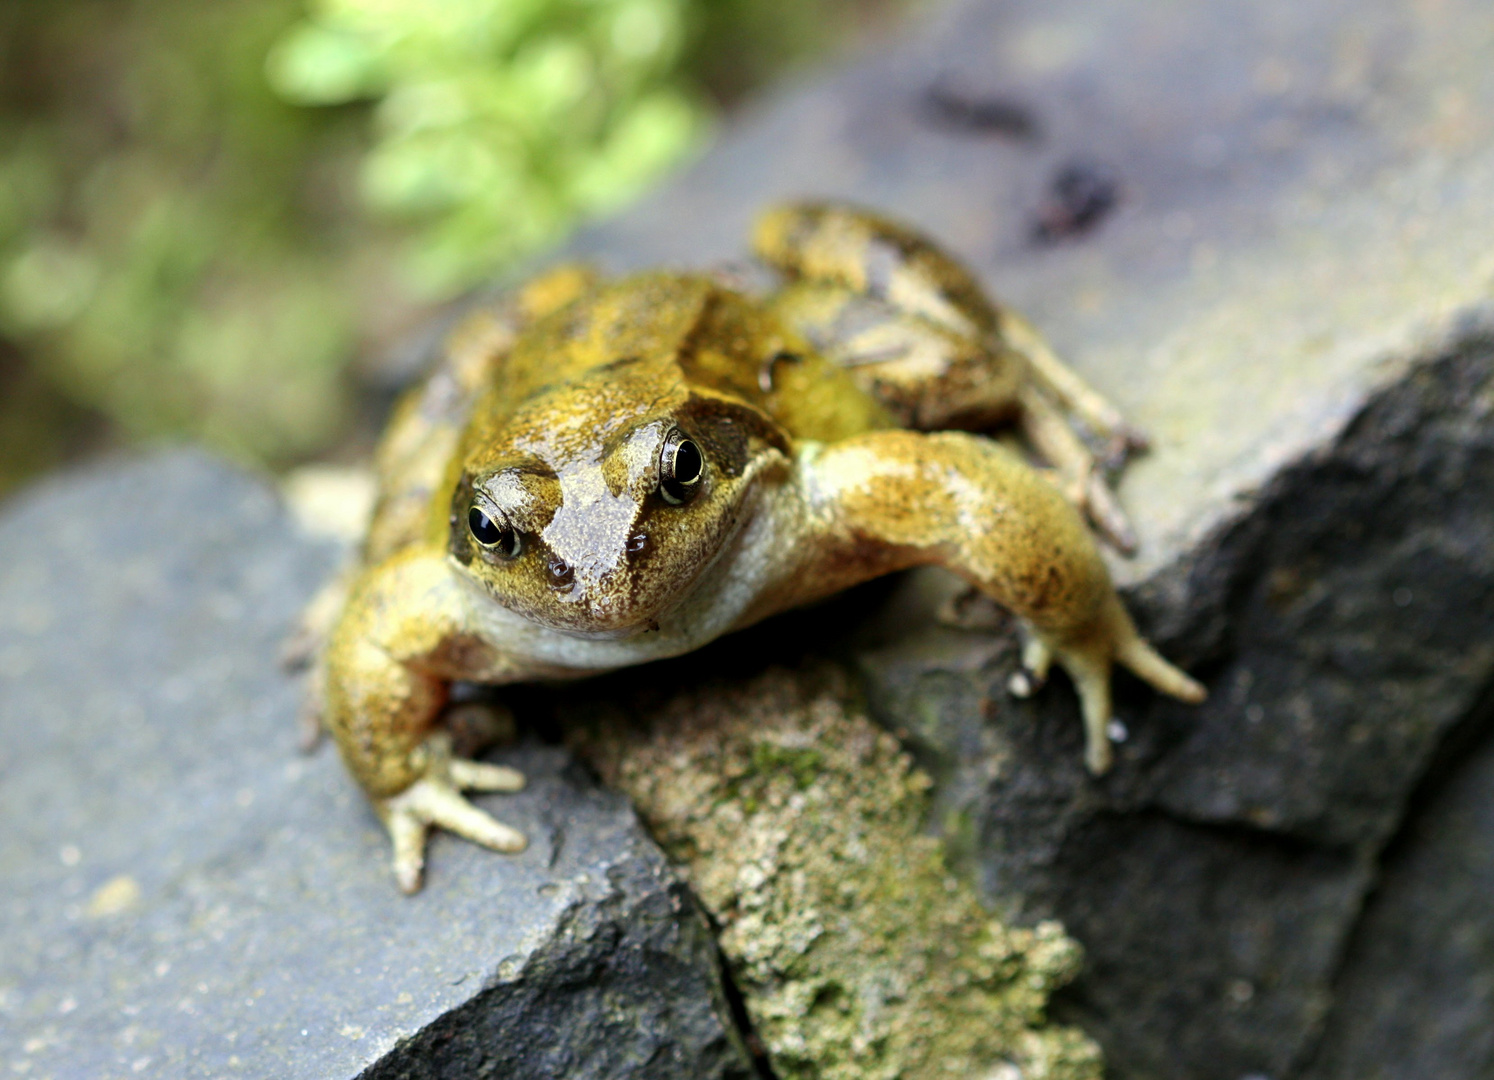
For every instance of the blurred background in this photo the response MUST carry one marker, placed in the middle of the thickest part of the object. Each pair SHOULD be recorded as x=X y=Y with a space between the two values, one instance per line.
x=216 y=219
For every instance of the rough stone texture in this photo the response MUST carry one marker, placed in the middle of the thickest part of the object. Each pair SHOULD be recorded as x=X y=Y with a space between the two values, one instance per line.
x=186 y=895
x=1293 y=295
x=1416 y=995
x=800 y=824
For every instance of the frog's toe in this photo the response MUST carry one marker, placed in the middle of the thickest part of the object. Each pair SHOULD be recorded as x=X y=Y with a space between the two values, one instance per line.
x=1107 y=515
x=480 y=776
x=407 y=832
x=1098 y=756
x=436 y=801
x=1037 y=660
x=1091 y=675
x=1149 y=665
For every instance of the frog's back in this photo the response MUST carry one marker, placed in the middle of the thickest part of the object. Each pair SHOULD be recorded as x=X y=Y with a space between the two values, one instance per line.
x=691 y=331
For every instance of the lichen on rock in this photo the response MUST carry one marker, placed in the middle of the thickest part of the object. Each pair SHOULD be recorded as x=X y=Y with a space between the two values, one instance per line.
x=800 y=824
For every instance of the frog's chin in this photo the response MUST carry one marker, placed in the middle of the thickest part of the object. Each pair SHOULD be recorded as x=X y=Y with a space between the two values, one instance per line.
x=618 y=633
x=592 y=627
x=589 y=624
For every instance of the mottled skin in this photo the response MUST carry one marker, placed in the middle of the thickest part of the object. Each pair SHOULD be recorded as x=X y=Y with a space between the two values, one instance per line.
x=602 y=474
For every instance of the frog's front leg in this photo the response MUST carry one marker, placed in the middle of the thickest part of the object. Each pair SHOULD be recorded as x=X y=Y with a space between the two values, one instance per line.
x=402 y=638
x=893 y=499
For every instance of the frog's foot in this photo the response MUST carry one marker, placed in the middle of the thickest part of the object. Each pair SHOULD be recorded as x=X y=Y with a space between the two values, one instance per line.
x=1090 y=670
x=1078 y=474
x=436 y=800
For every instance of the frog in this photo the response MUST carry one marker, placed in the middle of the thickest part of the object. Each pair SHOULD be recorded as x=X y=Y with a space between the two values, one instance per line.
x=599 y=473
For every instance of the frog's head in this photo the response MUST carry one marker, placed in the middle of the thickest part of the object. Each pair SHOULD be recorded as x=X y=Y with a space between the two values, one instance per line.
x=600 y=508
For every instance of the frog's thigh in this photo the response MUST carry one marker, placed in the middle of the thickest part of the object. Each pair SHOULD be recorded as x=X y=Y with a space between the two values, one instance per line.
x=928 y=376
x=386 y=677
x=968 y=504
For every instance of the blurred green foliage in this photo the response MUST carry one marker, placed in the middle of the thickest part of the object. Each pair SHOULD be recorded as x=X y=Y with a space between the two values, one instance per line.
x=166 y=259
x=207 y=209
x=499 y=122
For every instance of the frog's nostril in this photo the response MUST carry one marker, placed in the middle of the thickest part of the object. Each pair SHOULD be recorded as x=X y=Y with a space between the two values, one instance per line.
x=638 y=544
x=561 y=575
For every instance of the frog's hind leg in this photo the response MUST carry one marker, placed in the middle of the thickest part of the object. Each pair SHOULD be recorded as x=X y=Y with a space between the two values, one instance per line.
x=1072 y=393
x=917 y=332
x=929 y=377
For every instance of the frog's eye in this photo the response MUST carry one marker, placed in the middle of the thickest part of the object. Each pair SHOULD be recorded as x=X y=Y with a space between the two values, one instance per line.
x=681 y=465
x=505 y=541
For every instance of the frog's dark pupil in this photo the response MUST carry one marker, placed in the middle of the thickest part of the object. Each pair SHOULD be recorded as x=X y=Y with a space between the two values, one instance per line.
x=482 y=527
x=687 y=463
x=681 y=466
x=488 y=533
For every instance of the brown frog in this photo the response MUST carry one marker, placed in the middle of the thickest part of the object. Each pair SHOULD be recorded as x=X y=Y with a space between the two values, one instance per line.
x=603 y=473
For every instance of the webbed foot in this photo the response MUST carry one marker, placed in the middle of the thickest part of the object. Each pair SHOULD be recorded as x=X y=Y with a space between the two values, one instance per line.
x=436 y=800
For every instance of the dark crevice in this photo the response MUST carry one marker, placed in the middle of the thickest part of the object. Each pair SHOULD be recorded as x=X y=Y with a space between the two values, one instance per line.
x=739 y=1015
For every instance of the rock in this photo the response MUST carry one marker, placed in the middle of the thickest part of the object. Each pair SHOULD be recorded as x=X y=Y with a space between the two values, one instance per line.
x=186 y=895
x=1416 y=996
x=1292 y=293
x=800 y=824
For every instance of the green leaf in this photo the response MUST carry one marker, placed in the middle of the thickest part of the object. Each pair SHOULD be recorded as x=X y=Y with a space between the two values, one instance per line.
x=314 y=65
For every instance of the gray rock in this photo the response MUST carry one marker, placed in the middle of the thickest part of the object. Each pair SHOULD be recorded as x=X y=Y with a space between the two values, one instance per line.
x=186 y=895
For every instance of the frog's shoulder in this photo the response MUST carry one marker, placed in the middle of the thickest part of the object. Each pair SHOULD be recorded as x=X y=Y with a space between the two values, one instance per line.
x=741 y=347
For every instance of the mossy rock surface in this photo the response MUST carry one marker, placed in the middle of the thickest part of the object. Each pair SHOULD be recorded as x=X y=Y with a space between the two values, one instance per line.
x=800 y=824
